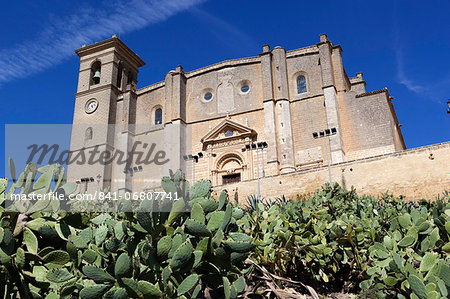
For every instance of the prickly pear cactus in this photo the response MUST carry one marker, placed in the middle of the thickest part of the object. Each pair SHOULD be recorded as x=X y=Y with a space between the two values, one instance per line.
x=201 y=189
x=33 y=256
x=195 y=244
x=3 y=185
x=378 y=247
x=176 y=253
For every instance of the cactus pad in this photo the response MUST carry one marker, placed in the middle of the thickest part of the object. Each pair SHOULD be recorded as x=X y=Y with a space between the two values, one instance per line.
x=58 y=275
x=97 y=274
x=187 y=284
x=182 y=255
x=197 y=229
x=123 y=265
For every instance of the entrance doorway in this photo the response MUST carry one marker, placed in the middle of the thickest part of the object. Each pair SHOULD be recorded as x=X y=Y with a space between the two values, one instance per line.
x=231 y=178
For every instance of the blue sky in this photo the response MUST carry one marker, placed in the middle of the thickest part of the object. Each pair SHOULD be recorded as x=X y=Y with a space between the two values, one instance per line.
x=401 y=45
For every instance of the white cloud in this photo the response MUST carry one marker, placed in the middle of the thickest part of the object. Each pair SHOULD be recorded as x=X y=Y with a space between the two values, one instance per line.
x=61 y=36
x=401 y=75
x=227 y=33
x=435 y=90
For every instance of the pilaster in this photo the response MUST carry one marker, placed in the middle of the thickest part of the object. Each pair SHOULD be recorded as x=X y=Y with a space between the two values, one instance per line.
x=269 y=111
x=330 y=95
x=127 y=130
x=175 y=128
x=284 y=122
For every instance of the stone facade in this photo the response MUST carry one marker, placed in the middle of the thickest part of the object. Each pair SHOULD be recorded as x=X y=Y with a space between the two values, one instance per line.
x=416 y=173
x=278 y=98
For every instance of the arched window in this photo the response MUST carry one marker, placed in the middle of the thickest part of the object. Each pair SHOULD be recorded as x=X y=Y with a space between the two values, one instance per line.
x=301 y=84
x=88 y=135
x=119 y=75
x=158 y=116
x=96 y=70
x=130 y=77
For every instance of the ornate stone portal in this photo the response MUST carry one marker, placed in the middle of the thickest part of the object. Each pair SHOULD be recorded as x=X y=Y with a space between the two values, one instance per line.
x=227 y=162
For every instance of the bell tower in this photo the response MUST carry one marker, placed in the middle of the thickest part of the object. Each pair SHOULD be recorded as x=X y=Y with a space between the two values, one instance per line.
x=104 y=111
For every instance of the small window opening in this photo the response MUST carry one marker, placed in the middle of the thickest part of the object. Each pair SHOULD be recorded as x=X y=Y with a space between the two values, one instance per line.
x=245 y=88
x=130 y=78
x=119 y=76
x=158 y=116
x=301 y=84
x=88 y=134
x=208 y=96
x=229 y=133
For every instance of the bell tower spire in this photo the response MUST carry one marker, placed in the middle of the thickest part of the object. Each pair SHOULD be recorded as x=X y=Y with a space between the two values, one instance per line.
x=107 y=83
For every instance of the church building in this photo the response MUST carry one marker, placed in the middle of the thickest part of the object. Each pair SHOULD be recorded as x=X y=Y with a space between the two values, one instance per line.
x=278 y=112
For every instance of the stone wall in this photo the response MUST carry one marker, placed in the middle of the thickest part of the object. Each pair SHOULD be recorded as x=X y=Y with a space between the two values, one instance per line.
x=417 y=173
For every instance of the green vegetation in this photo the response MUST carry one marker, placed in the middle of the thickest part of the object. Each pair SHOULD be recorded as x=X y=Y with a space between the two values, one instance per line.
x=139 y=255
x=338 y=241
x=334 y=241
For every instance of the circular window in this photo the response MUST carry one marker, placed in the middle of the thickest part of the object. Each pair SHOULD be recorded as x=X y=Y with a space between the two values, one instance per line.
x=208 y=96
x=229 y=133
x=244 y=87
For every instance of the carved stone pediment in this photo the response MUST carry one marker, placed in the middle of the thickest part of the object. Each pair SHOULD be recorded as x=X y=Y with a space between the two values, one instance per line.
x=226 y=132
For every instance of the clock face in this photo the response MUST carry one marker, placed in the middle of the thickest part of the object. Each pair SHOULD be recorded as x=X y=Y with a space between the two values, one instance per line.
x=91 y=106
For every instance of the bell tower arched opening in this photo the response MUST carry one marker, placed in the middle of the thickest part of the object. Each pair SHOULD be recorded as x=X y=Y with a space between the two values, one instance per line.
x=96 y=70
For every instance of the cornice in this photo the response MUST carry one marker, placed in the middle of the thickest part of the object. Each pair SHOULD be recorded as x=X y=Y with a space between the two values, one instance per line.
x=384 y=90
x=115 y=43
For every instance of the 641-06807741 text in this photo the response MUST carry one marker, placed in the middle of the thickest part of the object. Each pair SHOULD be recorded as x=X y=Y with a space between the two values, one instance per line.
x=155 y=195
